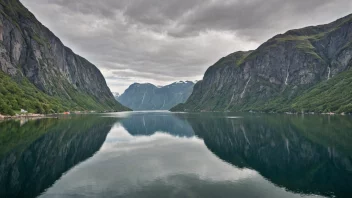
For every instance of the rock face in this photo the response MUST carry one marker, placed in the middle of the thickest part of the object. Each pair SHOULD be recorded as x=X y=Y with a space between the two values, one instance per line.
x=272 y=77
x=30 y=50
x=151 y=97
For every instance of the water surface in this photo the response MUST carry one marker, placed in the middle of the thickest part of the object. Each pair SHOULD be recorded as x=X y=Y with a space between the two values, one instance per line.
x=162 y=154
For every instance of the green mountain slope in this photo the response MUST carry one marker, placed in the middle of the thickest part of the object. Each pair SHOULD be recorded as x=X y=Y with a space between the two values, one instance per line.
x=302 y=69
x=40 y=74
x=21 y=94
x=334 y=95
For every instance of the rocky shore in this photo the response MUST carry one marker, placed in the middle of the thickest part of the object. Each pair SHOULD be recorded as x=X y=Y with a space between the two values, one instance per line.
x=30 y=115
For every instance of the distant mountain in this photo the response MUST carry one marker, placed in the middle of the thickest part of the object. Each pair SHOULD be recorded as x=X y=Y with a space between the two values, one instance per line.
x=151 y=97
x=38 y=73
x=306 y=69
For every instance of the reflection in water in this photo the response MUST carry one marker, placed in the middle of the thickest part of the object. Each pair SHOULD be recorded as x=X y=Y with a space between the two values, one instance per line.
x=35 y=154
x=160 y=154
x=149 y=123
x=160 y=165
x=310 y=155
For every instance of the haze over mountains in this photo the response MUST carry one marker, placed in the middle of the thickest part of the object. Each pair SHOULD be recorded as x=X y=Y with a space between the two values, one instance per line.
x=116 y=95
x=151 y=97
x=307 y=70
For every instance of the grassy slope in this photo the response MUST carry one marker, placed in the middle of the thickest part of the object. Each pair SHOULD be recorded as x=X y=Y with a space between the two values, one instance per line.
x=334 y=95
x=20 y=93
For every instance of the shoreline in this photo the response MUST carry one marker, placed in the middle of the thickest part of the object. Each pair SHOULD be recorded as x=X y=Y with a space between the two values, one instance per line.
x=259 y=112
x=29 y=116
x=40 y=116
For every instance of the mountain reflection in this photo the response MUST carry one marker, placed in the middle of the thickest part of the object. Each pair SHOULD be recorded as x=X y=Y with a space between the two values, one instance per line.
x=34 y=155
x=310 y=155
x=147 y=123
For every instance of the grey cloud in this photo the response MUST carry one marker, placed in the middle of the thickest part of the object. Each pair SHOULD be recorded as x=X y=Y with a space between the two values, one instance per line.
x=188 y=17
x=163 y=40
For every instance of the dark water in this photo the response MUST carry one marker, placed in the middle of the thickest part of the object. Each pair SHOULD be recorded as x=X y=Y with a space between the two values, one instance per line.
x=161 y=154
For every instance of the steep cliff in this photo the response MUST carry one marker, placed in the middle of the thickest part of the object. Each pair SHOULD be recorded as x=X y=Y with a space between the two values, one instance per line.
x=151 y=97
x=32 y=55
x=301 y=70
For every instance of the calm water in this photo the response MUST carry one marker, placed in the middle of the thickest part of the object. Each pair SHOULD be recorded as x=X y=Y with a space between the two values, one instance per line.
x=161 y=154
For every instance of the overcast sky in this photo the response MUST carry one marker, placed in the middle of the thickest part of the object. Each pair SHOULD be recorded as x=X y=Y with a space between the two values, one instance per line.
x=161 y=41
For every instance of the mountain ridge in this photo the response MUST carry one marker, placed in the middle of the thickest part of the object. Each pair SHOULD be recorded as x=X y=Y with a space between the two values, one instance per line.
x=67 y=81
x=147 y=96
x=276 y=76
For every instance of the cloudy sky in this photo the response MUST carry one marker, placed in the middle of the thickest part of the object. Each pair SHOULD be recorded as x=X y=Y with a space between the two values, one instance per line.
x=161 y=41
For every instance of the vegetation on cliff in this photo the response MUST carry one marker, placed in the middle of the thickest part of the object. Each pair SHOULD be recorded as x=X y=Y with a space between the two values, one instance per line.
x=307 y=70
x=41 y=75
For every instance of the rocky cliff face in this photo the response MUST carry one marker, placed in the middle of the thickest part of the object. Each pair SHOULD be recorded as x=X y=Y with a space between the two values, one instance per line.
x=151 y=97
x=271 y=77
x=29 y=50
